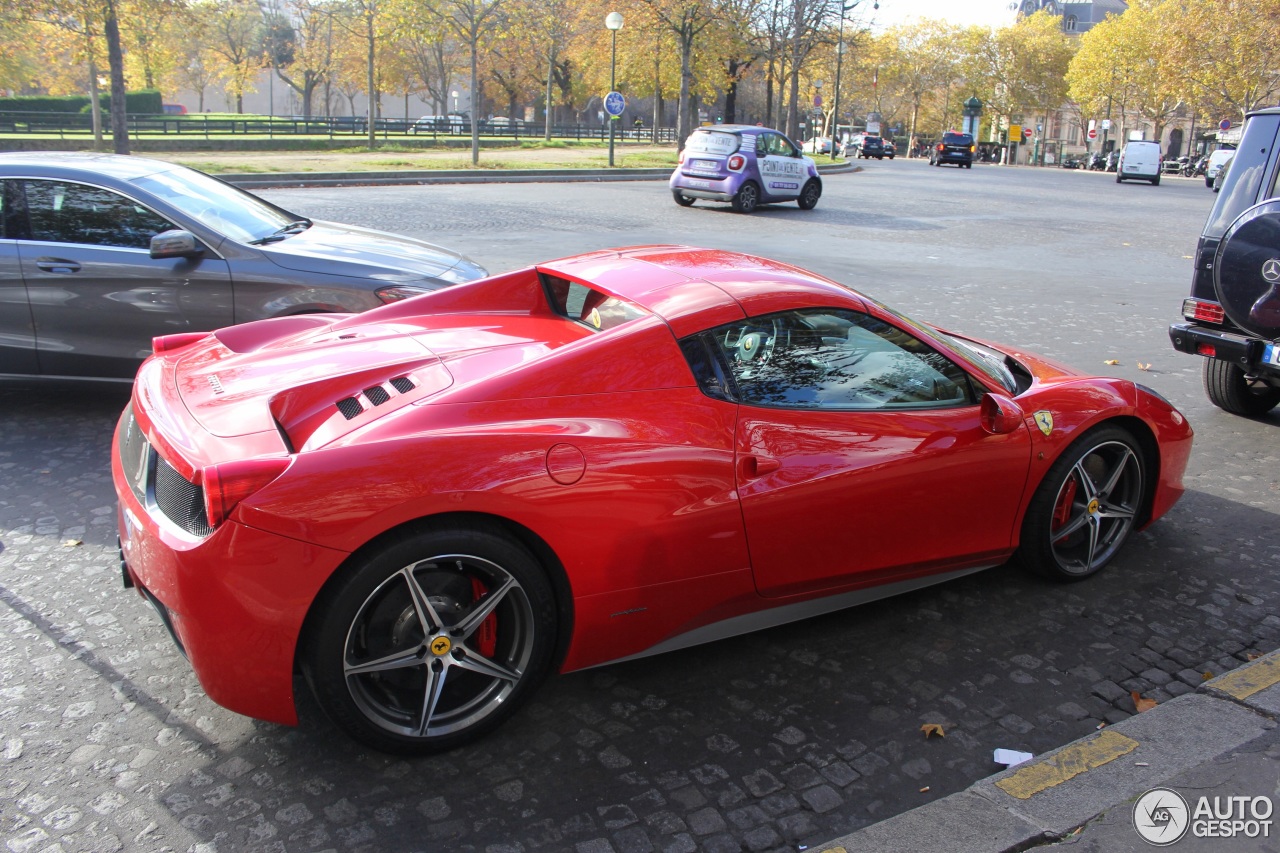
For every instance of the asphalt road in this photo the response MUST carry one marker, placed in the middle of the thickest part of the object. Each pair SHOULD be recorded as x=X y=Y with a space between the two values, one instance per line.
x=778 y=740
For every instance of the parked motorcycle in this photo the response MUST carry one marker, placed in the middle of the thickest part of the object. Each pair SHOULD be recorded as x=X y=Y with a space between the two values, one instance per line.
x=1097 y=163
x=1195 y=168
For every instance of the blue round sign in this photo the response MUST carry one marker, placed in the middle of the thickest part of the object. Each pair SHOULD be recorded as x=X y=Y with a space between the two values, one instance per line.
x=1225 y=124
x=614 y=104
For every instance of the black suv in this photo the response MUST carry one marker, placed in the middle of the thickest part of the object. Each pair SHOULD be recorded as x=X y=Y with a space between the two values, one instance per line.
x=1233 y=313
x=871 y=146
x=955 y=148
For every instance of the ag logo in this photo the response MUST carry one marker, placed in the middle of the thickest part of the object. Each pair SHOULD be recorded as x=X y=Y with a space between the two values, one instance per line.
x=1271 y=270
x=1161 y=816
x=1044 y=420
x=440 y=646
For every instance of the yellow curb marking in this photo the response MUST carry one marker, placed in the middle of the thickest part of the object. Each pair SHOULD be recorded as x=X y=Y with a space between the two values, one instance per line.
x=1249 y=680
x=1067 y=764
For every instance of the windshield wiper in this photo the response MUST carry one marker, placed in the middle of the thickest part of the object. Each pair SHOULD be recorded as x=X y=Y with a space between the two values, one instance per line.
x=295 y=227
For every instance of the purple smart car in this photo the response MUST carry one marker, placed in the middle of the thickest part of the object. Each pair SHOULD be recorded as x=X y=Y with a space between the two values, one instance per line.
x=745 y=166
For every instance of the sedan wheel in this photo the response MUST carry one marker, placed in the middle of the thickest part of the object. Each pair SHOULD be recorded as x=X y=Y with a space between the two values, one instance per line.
x=746 y=198
x=1085 y=508
x=682 y=199
x=433 y=641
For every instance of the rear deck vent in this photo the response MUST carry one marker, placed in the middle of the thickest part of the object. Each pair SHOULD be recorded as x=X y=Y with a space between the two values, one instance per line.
x=377 y=395
x=350 y=407
x=403 y=384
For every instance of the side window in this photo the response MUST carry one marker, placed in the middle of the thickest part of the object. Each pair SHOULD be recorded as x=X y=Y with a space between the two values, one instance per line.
x=74 y=213
x=835 y=359
x=762 y=144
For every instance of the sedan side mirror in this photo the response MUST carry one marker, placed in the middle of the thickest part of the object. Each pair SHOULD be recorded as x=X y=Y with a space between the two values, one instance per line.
x=175 y=244
x=999 y=414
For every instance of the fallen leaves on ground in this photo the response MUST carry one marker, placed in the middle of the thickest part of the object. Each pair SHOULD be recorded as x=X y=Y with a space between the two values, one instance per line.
x=1141 y=702
x=71 y=543
x=1112 y=361
x=1142 y=366
x=930 y=729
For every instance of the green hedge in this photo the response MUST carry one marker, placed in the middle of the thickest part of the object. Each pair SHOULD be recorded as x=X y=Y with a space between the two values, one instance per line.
x=143 y=102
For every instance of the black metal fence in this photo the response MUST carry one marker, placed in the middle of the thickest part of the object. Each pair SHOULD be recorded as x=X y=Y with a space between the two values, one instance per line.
x=199 y=126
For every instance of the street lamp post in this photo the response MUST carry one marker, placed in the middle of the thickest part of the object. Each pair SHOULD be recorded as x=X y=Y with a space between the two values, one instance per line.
x=835 y=102
x=613 y=21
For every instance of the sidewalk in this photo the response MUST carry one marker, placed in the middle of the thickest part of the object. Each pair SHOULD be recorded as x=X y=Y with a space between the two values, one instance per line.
x=1217 y=743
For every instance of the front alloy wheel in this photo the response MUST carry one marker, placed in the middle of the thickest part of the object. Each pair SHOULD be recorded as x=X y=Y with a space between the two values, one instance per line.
x=1086 y=507
x=433 y=642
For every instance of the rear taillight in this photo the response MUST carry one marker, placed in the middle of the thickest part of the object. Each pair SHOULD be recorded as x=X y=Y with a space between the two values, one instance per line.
x=169 y=343
x=1203 y=310
x=680 y=157
x=941 y=146
x=972 y=148
x=736 y=162
x=228 y=484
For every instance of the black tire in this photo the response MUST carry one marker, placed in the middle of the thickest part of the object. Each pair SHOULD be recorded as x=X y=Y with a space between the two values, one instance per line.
x=1228 y=389
x=1118 y=178
x=682 y=199
x=809 y=194
x=1155 y=182
x=1086 y=506
x=1208 y=182
x=466 y=613
x=747 y=197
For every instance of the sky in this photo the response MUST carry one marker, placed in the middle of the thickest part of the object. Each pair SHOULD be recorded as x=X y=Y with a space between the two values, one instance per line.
x=989 y=13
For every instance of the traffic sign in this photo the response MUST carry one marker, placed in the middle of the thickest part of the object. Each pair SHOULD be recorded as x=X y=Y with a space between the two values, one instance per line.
x=1026 y=132
x=1106 y=124
x=1093 y=134
x=614 y=104
x=1225 y=124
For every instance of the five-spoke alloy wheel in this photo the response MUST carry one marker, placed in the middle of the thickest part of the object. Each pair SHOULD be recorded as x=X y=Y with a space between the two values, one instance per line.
x=432 y=641
x=1086 y=507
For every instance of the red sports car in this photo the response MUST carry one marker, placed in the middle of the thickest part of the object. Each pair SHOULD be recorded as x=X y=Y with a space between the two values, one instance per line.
x=427 y=507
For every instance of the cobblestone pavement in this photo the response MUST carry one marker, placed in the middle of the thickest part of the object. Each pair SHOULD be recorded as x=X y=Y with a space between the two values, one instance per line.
x=778 y=740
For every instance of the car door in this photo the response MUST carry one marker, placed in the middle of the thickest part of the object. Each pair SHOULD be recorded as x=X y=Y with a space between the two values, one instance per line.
x=861 y=456
x=17 y=335
x=781 y=165
x=97 y=296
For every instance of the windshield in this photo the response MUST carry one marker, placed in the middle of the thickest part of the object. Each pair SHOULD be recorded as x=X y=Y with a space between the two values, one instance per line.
x=989 y=361
x=217 y=205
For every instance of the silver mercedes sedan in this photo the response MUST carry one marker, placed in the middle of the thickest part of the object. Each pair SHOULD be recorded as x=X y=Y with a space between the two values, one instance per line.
x=100 y=253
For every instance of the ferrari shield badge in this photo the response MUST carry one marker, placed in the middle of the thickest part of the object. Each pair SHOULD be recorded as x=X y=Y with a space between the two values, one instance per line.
x=1044 y=420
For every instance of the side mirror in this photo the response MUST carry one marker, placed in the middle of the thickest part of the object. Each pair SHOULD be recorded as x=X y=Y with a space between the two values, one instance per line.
x=1000 y=415
x=175 y=244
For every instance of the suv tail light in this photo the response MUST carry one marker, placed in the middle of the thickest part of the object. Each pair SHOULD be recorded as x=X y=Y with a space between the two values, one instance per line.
x=1203 y=310
x=736 y=162
x=228 y=484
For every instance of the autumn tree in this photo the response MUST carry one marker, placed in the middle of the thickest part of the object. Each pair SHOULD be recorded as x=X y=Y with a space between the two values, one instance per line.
x=473 y=22
x=686 y=20
x=235 y=29
x=1229 y=50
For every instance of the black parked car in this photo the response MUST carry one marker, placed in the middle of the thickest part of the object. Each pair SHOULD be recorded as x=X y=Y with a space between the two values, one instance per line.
x=1232 y=318
x=958 y=148
x=100 y=253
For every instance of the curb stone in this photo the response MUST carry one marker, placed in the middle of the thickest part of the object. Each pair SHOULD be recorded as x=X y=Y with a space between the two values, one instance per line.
x=465 y=176
x=1046 y=799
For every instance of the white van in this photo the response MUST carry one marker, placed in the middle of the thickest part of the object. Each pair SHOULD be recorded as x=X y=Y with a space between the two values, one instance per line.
x=1139 y=161
x=1217 y=159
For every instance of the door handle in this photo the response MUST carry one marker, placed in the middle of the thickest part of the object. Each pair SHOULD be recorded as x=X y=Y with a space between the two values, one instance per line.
x=751 y=466
x=57 y=265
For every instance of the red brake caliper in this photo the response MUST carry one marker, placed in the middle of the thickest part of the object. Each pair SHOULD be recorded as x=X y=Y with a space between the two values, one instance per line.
x=486 y=635
x=1062 y=512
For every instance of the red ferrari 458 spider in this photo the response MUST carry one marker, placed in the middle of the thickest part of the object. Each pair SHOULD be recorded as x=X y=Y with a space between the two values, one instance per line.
x=427 y=507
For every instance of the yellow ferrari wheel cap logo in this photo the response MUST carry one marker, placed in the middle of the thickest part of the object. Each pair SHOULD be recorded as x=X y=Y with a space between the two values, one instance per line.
x=1044 y=420
x=1093 y=506
x=440 y=646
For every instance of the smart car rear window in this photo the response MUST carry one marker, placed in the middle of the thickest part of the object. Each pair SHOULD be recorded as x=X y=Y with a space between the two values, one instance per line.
x=713 y=142
x=592 y=308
